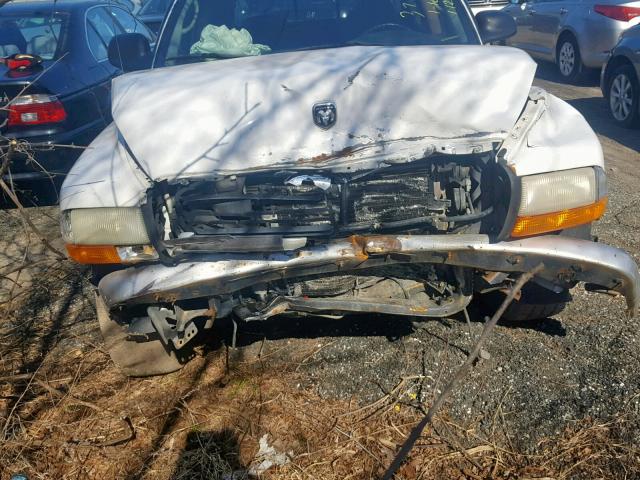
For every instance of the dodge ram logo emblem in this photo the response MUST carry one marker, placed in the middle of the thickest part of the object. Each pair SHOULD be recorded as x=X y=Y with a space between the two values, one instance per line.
x=325 y=115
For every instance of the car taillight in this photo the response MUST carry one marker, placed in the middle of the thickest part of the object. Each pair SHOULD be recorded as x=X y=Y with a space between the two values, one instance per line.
x=21 y=61
x=35 y=109
x=618 y=12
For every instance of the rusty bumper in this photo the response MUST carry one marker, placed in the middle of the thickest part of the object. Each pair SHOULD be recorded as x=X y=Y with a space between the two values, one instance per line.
x=566 y=261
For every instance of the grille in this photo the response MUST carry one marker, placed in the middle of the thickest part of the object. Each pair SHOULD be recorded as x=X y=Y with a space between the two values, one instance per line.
x=267 y=204
x=261 y=209
x=389 y=198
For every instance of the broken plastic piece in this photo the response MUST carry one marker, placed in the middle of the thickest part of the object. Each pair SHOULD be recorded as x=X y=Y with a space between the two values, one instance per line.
x=227 y=43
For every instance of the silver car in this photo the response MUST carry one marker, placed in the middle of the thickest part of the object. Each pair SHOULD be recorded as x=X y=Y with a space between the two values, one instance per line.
x=619 y=80
x=572 y=33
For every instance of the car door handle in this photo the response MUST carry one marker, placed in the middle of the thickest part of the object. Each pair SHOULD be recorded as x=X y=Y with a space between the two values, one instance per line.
x=532 y=11
x=563 y=11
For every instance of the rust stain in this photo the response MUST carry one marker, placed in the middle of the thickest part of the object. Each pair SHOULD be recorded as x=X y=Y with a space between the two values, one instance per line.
x=359 y=247
x=569 y=274
x=351 y=150
x=165 y=298
x=344 y=153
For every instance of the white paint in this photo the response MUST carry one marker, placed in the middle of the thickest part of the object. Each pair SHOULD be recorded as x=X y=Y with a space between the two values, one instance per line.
x=255 y=112
x=560 y=139
x=103 y=176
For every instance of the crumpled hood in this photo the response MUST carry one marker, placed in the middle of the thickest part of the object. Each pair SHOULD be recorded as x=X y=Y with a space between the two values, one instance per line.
x=256 y=112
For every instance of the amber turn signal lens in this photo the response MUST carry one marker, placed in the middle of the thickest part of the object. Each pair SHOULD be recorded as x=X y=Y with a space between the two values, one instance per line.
x=93 y=254
x=552 y=222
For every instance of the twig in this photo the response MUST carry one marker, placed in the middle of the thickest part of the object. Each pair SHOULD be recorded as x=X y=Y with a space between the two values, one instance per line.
x=471 y=358
x=131 y=432
x=15 y=405
x=458 y=448
x=8 y=156
x=71 y=399
x=124 y=438
x=19 y=377
x=357 y=442
x=26 y=218
x=23 y=266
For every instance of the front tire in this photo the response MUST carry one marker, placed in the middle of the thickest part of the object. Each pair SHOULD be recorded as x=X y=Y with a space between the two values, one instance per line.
x=135 y=358
x=624 y=96
x=568 y=58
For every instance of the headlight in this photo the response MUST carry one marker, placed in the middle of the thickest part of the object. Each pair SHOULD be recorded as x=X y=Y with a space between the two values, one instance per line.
x=104 y=226
x=560 y=200
x=106 y=235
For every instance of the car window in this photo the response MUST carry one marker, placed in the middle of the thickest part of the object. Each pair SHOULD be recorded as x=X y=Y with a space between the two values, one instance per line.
x=126 y=21
x=127 y=4
x=96 y=45
x=155 y=7
x=130 y=24
x=34 y=34
x=104 y=24
x=199 y=29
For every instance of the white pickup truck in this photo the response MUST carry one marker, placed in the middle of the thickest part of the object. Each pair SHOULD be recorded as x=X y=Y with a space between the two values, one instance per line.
x=324 y=157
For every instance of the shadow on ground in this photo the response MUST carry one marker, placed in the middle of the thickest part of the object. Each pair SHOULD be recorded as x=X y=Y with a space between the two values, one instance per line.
x=285 y=327
x=593 y=107
x=549 y=72
x=393 y=328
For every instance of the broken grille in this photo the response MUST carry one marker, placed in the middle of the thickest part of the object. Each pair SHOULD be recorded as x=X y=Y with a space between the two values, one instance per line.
x=268 y=204
x=259 y=209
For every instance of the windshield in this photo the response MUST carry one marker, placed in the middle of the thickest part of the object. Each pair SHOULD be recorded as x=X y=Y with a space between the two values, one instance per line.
x=37 y=35
x=200 y=30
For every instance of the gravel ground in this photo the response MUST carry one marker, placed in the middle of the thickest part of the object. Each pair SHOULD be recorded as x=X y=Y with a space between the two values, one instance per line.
x=537 y=381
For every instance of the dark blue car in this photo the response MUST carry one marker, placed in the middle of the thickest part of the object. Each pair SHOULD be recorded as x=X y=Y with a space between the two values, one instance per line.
x=152 y=13
x=55 y=79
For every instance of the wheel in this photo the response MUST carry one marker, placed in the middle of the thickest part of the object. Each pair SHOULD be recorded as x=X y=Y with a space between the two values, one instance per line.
x=535 y=303
x=568 y=58
x=135 y=358
x=624 y=96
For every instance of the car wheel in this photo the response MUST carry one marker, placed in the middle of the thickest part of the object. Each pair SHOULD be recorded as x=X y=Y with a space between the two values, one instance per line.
x=535 y=303
x=624 y=96
x=568 y=58
x=134 y=357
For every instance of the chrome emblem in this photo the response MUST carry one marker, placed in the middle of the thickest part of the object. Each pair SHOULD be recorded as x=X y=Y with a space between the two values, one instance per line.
x=325 y=115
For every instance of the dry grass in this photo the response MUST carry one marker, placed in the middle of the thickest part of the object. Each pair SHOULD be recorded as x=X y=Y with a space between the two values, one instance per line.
x=66 y=412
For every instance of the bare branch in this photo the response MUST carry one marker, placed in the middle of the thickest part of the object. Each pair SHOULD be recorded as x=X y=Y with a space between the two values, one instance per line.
x=14 y=198
x=471 y=358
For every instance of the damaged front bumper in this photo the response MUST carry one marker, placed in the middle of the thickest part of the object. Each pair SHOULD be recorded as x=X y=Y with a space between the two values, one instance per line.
x=566 y=261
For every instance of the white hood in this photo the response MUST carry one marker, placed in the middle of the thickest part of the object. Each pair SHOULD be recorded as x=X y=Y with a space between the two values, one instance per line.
x=256 y=112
